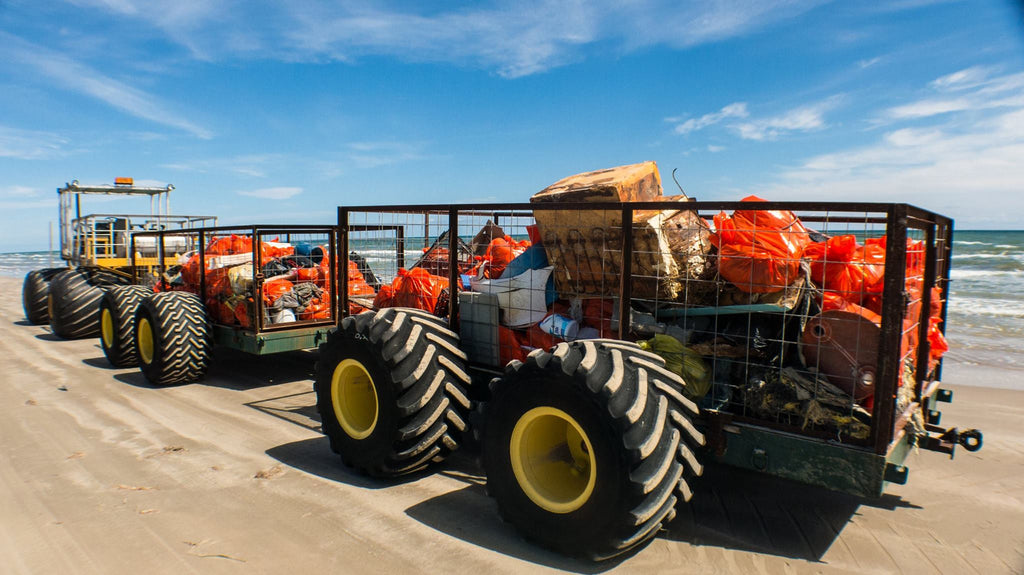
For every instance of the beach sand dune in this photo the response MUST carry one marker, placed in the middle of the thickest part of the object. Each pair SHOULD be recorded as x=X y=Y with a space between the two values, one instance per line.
x=102 y=473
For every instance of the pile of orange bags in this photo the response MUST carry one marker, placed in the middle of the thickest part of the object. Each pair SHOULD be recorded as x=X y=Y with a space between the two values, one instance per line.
x=759 y=251
x=847 y=269
x=415 y=288
x=500 y=252
x=852 y=276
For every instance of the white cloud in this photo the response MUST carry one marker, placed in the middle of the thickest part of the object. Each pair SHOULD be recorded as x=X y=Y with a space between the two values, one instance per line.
x=15 y=191
x=803 y=119
x=280 y=193
x=965 y=78
x=926 y=108
x=515 y=38
x=734 y=110
x=977 y=91
x=253 y=165
x=865 y=64
x=376 y=154
x=67 y=74
x=30 y=144
x=965 y=164
x=715 y=149
x=17 y=197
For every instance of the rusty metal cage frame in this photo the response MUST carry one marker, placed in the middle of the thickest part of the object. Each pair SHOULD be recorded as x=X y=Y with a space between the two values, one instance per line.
x=204 y=235
x=887 y=427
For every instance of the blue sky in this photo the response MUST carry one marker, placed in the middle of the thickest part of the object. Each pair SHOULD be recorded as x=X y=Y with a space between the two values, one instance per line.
x=267 y=112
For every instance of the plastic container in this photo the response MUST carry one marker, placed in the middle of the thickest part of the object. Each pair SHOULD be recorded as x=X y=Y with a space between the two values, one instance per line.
x=560 y=326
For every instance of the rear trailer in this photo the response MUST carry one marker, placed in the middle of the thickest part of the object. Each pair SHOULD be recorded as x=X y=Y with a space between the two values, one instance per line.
x=261 y=289
x=597 y=351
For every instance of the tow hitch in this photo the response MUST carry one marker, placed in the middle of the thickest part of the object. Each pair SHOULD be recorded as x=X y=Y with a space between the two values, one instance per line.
x=946 y=440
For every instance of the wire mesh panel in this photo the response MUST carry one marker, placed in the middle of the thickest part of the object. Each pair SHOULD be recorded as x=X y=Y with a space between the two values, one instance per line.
x=818 y=319
x=253 y=277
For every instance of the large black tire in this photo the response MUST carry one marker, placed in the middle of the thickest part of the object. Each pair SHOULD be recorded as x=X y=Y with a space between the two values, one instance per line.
x=587 y=447
x=173 y=338
x=391 y=391
x=35 y=293
x=73 y=305
x=117 y=323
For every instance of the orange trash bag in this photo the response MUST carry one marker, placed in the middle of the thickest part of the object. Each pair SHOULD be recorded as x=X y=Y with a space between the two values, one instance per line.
x=274 y=249
x=500 y=252
x=274 y=289
x=385 y=297
x=190 y=272
x=842 y=266
x=937 y=344
x=356 y=282
x=418 y=288
x=230 y=245
x=509 y=347
x=759 y=250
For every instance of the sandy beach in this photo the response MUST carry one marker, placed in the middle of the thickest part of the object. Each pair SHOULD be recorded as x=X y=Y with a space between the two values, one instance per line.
x=102 y=473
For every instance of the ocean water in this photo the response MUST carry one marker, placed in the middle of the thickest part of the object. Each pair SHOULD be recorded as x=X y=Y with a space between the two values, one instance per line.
x=985 y=322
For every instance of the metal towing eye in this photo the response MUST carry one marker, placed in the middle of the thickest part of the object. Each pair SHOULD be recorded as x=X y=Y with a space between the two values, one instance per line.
x=948 y=439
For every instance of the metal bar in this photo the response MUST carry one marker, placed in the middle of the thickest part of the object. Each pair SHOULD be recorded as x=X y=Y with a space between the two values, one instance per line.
x=453 y=269
x=202 y=266
x=131 y=258
x=625 y=279
x=332 y=279
x=484 y=209
x=893 y=307
x=924 y=317
x=257 y=279
x=342 y=281
x=947 y=255
x=400 y=247
x=841 y=219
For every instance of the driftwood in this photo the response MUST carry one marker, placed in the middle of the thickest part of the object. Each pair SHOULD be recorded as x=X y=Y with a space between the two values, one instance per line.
x=670 y=246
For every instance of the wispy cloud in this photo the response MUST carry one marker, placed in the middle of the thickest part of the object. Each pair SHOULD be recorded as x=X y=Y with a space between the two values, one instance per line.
x=18 y=197
x=976 y=89
x=865 y=64
x=30 y=144
x=926 y=108
x=734 y=110
x=252 y=165
x=965 y=161
x=280 y=193
x=513 y=38
x=376 y=154
x=802 y=119
x=16 y=191
x=67 y=74
x=960 y=79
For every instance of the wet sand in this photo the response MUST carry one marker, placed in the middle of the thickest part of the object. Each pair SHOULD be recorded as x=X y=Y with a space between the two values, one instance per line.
x=102 y=473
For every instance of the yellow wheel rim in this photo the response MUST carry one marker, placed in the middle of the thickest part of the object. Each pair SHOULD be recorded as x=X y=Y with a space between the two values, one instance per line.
x=553 y=460
x=355 y=399
x=107 y=328
x=145 y=339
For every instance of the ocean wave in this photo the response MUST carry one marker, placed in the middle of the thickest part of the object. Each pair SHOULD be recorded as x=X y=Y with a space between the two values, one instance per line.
x=962 y=274
x=969 y=243
x=987 y=306
x=1016 y=256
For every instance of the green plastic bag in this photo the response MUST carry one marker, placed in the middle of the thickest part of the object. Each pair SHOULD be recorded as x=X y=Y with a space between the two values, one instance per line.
x=683 y=361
